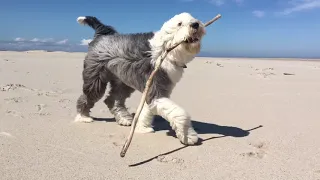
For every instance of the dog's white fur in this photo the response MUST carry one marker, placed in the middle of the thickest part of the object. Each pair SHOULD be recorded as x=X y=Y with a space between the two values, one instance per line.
x=178 y=118
x=84 y=119
x=144 y=124
x=165 y=38
x=81 y=19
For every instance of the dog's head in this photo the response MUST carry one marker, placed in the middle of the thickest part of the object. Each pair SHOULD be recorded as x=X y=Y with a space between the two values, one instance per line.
x=181 y=27
x=184 y=27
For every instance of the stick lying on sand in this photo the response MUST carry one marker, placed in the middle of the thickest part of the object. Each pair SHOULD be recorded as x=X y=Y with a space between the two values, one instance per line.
x=145 y=92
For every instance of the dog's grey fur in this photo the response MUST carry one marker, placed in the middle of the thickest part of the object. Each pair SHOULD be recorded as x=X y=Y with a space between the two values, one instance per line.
x=125 y=61
x=112 y=56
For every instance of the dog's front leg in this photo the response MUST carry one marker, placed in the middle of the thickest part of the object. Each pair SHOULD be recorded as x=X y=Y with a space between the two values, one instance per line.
x=144 y=124
x=178 y=118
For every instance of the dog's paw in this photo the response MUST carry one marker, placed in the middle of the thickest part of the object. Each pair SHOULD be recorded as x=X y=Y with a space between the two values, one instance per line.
x=192 y=136
x=144 y=130
x=84 y=119
x=124 y=121
x=123 y=118
x=190 y=139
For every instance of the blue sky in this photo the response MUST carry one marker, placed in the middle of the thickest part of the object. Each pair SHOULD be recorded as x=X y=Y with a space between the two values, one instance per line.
x=252 y=28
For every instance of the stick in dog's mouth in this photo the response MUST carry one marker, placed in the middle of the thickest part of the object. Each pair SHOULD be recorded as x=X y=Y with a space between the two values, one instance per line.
x=148 y=84
x=191 y=40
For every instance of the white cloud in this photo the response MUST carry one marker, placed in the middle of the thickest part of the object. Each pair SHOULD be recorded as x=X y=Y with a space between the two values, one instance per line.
x=35 y=40
x=258 y=13
x=42 y=40
x=301 y=5
x=62 y=41
x=85 y=42
x=19 y=39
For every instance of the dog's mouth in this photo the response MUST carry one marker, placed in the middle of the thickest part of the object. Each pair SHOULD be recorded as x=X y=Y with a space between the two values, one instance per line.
x=191 y=40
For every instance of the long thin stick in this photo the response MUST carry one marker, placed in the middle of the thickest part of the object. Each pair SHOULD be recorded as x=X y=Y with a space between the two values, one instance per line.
x=146 y=90
x=212 y=20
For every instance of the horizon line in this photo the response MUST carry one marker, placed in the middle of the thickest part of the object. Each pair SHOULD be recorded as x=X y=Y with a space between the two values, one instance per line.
x=199 y=55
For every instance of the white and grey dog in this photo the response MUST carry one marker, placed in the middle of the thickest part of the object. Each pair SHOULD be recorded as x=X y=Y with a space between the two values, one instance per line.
x=125 y=61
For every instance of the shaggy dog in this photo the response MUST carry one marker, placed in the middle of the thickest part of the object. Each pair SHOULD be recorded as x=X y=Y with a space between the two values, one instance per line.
x=125 y=61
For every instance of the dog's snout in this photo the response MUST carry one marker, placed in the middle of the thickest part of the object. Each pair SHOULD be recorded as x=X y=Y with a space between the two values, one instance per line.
x=195 y=25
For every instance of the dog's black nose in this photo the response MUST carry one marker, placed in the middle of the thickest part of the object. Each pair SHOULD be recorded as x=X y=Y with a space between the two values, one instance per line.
x=195 y=25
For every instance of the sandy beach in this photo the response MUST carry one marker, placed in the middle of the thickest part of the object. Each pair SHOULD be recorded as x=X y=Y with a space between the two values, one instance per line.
x=258 y=119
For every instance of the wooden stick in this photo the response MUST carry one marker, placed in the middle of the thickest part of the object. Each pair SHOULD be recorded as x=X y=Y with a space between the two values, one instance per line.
x=146 y=90
x=212 y=20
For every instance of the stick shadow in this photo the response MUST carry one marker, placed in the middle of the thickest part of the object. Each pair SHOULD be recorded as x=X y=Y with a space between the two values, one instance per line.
x=201 y=128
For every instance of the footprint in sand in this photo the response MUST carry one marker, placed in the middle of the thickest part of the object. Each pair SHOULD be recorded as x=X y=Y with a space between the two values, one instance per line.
x=15 y=100
x=64 y=103
x=169 y=159
x=46 y=93
x=220 y=65
x=8 y=60
x=11 y=87
x=40 y=109
x=259 y=152
x=14 y=113
x=117 y=144
x=266 y=69
x=265 y=72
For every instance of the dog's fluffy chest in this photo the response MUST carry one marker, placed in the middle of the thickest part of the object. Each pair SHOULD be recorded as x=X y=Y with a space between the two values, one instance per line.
x=174 y=72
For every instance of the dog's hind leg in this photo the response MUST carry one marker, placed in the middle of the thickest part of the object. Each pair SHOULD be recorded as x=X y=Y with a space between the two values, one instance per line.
x=84 y=104
x=94 y=86
x=116 y=102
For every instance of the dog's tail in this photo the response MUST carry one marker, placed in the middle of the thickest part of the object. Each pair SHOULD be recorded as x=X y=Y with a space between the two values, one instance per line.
x=96 y=25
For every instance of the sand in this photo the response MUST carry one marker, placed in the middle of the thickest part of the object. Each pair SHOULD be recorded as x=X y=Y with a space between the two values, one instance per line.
x=255 y=123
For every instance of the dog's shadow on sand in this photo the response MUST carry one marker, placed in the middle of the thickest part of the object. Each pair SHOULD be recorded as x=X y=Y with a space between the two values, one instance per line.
x=104 y=119
x=201 y=128
x=161 y=124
